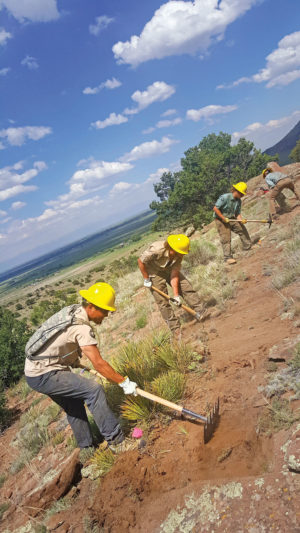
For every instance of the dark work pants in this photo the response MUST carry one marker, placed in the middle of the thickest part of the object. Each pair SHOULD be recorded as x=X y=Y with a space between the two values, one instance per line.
x=71 y=392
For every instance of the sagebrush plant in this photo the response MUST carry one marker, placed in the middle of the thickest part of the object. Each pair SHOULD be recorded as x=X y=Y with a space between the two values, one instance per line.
x=155 y=365
x=212 y=283
x=289 y=270
x=169 y=385
x=202 y=252
x=277 y=416
x=104 y=460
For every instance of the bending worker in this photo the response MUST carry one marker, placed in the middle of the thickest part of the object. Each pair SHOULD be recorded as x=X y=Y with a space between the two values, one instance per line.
x=277 y=181
x=60 y=341
x=160 y=265
x=228 y=218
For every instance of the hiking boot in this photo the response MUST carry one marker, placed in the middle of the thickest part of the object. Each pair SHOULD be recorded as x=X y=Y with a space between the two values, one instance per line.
x=230 y=261
x=125 y=446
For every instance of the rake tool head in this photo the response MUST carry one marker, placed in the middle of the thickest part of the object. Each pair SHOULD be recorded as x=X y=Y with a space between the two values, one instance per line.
x=212 y=421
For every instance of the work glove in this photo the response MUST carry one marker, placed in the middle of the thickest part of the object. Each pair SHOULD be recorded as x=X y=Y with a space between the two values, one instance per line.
x=177 y=300
x=148 y=283
x=226 y=220
x=129 y=387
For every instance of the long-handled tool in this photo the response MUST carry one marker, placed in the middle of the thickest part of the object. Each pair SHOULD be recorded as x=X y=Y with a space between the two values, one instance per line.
x=210 y=422
x=269 y=220
x=185 y=307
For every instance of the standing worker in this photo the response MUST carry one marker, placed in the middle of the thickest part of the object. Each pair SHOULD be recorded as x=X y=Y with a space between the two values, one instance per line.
x=56 y=346
x=160 y=265
x=228 y=207
x=277 y=181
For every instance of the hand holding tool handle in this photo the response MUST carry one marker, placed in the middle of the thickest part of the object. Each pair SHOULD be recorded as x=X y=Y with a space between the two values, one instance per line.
x=183 y=306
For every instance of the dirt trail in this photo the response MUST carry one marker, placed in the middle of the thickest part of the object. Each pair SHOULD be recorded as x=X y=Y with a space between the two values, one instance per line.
x=238 y=480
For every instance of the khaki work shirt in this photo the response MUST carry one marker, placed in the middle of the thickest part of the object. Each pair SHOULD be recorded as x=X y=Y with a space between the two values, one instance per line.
x=65 y=343
x=156 y=258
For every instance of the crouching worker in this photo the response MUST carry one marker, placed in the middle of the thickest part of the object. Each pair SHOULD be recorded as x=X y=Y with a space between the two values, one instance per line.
x=228 y=218
x=57 y=345
x=277 y=182
x=160 y=265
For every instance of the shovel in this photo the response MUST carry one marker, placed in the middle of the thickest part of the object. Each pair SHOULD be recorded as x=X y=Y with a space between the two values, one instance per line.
x=183 y=306
x=210 y=422
x=269 y=220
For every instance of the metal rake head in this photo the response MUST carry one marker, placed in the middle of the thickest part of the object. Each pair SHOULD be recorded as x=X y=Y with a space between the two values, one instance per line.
x=212 y=421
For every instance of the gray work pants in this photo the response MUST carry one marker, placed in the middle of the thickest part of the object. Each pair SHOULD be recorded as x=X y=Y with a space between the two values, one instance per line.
x=71 y=391
x=160 y=280
x=225 y=229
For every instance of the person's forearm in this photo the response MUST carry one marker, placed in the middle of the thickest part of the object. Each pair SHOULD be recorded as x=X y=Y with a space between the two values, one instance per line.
x=175 y=283
x=100 y=365
x=107 y=371
x=143 y=269
x=218 y=213
x=239 y=217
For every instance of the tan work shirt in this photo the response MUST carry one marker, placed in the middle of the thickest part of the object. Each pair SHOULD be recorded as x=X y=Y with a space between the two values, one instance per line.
x=65 y=342
x=156 y=258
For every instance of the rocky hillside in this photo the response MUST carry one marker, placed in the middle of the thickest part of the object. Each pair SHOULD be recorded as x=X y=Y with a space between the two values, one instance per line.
x=247 y=353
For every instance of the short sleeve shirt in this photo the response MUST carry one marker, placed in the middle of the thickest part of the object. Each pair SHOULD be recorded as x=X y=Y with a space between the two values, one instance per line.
x=273 y=178
x=156 y=258
x=229 y=206
x=64 y=348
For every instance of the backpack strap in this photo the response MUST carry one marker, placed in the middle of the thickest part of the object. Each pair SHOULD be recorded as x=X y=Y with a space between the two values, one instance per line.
x=75 y=321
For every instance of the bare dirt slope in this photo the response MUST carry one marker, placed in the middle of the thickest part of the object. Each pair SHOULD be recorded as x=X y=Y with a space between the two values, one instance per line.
x=243 y=479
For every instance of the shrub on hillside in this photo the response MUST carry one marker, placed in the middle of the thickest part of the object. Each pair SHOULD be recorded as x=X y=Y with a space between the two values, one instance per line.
x=14 y=335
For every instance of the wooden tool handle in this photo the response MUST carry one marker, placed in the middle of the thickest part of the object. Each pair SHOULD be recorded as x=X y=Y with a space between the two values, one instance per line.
x=157 y=399
x=185 y=307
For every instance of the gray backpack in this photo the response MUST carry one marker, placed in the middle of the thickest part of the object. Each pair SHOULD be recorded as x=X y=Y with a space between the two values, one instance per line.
x=55 y=324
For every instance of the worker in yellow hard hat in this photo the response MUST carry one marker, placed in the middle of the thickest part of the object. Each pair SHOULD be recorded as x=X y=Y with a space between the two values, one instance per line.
x=160 y=266
x=57 y=345
x=228 y=218
x=277 y=181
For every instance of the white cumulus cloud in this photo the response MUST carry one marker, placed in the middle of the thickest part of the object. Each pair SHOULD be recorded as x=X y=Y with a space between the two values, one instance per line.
x=31 y=10
x=30 y=62
x=112 y=120
x=282 y=65
x=13 y=177
x=169 y=112
x=100 y=24
x=18 y=136
x=264 y=135
x=4 y=35
x=17 y=205
x=4 y=71
x=121 y=187
x=181 y=27
x=90 y=179
x=108 y=84
x=168 y=123
x=149 y=149
x=159 y=91
x=209 y=111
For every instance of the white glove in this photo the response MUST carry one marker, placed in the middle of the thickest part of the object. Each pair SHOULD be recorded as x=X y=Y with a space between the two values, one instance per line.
x=129 y=387
x=148 y=283
x=177 y=300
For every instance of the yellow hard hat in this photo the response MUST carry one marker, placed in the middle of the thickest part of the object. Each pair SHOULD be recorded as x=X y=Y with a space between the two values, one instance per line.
x=241 y=186
x=266 y=170
x=100 y=294
x=180 y=243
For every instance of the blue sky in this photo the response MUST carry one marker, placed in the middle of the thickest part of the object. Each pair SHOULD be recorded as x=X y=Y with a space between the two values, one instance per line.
x=99 y=98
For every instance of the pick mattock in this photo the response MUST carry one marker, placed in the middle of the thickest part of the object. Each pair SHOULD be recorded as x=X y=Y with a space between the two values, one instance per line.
x=183 y=306
x=210 y=422
x=269 y=220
